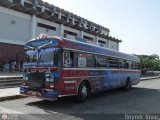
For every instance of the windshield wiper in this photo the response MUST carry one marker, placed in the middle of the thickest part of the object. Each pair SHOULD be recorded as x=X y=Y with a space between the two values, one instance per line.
x=29 y=47
x=44 y=45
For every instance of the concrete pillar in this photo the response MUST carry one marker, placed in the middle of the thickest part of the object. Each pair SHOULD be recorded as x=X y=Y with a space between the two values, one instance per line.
x=59 y=15
x=35 y=3
x=43 y=8
x=117 y=46
x=108 y=33
x=109 y=43
x=73 y=21
x=33 y=27
x=61 y=30
x=96 y=40
x=22 y=2
x=81 y=34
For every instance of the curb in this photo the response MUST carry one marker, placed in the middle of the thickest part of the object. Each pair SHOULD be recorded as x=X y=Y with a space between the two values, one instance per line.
x=11 y=97
x=149 y=78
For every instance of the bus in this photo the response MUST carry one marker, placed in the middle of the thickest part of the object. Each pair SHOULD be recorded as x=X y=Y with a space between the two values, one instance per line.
x=55 y=67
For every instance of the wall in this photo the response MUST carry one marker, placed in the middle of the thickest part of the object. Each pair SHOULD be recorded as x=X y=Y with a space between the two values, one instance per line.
x=11 y=22
x=49 y=32
x=113 y=45
x=10 y=51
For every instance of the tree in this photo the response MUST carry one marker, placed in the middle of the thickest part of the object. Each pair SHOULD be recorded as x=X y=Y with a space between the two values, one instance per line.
x=149 y=62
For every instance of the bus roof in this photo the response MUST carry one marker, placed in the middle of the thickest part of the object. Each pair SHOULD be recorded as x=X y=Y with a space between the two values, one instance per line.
x=82 y=46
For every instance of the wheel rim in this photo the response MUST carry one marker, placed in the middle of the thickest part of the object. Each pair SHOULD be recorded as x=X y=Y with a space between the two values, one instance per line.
x=84 y=91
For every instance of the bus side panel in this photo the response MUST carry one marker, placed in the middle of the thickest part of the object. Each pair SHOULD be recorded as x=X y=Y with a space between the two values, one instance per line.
x=69 y=86
x=100 y=80
x=133 y=75
x=109 y=79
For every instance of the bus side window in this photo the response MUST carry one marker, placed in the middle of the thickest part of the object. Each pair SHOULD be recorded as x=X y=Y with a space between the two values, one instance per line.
x=101 y=61
x=127 y=65
x=122 y=63
x=113 y=62
x=137 y=66
x=86 y=60
x=68 y=59
x=133 y=65
x=130 y=64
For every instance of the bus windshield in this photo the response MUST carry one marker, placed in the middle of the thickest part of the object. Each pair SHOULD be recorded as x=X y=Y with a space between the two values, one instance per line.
x=44 y=57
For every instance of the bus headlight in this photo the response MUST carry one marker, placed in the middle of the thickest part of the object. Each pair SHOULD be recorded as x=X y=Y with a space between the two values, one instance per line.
x=26 y=76
x=49 y=79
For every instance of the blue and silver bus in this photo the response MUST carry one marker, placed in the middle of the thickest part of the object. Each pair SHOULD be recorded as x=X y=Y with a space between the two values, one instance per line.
x=57 y=67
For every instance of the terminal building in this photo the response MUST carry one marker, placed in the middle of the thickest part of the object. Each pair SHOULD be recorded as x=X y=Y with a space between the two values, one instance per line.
x=22 y=20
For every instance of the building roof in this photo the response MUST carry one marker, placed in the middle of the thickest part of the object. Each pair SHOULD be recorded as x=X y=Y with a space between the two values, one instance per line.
x=50 y=12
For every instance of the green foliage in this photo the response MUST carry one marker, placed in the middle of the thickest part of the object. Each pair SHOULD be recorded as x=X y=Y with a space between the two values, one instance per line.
x=149 y=62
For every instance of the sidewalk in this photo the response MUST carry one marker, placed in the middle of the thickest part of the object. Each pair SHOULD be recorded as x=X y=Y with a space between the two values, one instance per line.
x=13 y=93
x=9 y=93
x=149 y=78
x=6 y=74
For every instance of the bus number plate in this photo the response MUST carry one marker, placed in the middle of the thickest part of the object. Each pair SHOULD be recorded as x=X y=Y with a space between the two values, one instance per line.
x=33 y=93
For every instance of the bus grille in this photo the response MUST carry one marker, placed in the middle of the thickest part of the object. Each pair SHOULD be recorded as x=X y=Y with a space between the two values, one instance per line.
x=36 y=81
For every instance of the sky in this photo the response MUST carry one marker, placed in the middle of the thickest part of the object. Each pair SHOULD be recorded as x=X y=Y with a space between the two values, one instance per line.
x=135 y=22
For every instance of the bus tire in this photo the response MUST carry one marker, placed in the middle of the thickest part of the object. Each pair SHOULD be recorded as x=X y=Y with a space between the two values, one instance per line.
x=127 y=85
x=83 y=92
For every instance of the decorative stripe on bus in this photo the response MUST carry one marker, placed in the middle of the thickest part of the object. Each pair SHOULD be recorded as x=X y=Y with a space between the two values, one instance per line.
x=92 y=76
x=69 y=81
x=113 y=70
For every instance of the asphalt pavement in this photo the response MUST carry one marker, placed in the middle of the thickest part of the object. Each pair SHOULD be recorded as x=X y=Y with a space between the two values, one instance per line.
x=140 y=103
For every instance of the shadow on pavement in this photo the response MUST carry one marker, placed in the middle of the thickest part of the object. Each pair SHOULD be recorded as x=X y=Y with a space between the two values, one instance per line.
x=119 y=102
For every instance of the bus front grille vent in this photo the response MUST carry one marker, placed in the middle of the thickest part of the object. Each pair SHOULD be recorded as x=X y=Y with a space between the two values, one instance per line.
x=36 y=81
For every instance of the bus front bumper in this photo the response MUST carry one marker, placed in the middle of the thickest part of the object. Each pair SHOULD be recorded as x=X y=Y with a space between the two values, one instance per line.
x=46 y=94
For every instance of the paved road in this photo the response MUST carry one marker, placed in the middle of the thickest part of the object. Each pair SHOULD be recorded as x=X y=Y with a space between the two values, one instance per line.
x=142 y=99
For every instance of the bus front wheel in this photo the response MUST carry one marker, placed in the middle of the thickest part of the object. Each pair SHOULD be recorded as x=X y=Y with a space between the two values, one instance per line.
x=83 y=92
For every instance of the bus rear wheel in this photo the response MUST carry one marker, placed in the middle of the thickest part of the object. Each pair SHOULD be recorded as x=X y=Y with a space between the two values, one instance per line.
x=128 y=85
x=83 y=92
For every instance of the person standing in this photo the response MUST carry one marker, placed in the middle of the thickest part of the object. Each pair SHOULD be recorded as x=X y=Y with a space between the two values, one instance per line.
x=21 y=66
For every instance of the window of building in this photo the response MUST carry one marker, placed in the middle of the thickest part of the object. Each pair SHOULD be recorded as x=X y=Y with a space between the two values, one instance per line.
x=101 y=43
x=70 y=33
x=46 y=26
x=48 y=12
x=39 y=9
x=76 y=22
x=27 y=5
x=56 y=15
x=70 y=20
x=64 y=17
x=88 y=39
